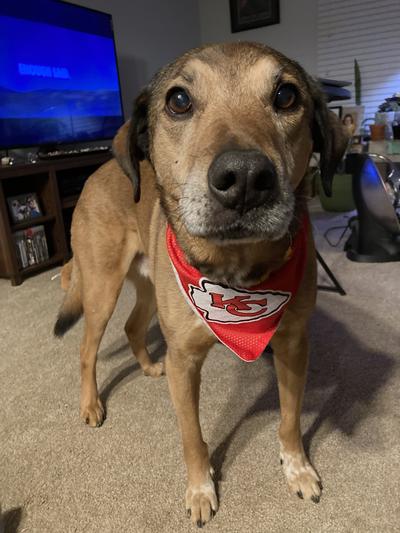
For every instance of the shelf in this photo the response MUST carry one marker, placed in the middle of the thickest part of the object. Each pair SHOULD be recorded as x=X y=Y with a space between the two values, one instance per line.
x=69 y=201
x=57 y=185
x=45 y=166
x=36 y=221
x=57 y=258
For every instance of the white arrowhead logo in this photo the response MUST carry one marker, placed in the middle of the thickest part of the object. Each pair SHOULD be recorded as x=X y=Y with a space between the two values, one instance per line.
x=227 y=305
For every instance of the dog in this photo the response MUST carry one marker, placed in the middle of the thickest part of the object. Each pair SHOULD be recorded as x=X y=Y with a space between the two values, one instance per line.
x=211 y=167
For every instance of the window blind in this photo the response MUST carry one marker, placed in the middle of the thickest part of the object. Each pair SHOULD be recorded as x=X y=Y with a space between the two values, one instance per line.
x=366 y=30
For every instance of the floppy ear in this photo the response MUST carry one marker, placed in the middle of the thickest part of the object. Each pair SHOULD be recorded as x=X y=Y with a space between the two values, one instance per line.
x=330 y=139
x=120 y=147
x=131 y=144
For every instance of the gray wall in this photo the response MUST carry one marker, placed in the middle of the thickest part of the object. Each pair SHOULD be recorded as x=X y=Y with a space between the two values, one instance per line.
x=295 y=36
x=148 y=34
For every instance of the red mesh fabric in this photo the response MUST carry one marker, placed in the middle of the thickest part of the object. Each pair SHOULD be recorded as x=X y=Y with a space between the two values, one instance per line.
x=243 y=319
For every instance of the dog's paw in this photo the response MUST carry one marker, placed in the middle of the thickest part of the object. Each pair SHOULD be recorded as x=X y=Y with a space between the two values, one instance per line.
x=201 y=502
x=93 y=414
x=301 y=476
x=155 y=370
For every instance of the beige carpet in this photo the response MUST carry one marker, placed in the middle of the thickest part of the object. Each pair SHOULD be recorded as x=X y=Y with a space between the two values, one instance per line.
x=58 y=476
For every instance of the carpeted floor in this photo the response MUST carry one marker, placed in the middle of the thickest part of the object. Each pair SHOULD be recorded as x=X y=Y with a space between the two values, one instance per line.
x=58 y=476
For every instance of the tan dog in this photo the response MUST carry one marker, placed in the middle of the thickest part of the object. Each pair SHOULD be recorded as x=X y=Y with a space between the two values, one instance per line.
x=218 y=147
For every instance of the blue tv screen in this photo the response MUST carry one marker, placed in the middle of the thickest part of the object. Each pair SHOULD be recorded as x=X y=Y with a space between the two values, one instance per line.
x=58 y=74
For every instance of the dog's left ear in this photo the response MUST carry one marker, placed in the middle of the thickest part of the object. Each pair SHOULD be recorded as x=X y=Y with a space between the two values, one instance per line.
x=329 y=136
x=131 y=144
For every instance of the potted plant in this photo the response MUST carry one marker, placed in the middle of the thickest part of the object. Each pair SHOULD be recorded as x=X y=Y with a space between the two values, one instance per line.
x=359 y=108
x=388 y=114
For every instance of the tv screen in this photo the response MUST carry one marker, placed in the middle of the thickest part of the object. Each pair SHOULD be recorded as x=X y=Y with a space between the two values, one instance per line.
x=58 y=74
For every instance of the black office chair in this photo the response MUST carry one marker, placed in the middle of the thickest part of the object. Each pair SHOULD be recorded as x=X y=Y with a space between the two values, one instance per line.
x=375 y=231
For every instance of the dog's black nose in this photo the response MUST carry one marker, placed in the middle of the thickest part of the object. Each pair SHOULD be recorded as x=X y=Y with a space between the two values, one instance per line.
x=242 y=179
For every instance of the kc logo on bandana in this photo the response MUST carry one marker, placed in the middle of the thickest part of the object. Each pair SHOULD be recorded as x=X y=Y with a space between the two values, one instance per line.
x=244 y=320
x=231 y=306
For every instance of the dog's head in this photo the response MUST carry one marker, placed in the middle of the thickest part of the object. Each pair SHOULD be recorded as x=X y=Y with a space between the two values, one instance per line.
x=229 y=130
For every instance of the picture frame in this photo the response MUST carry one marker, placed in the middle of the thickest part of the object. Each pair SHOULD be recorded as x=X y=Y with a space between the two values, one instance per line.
x=24 y=207
x=351 y=118
x=249 y=14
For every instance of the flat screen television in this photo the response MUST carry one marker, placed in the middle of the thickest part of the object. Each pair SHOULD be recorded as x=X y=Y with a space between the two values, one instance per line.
x=59 y=80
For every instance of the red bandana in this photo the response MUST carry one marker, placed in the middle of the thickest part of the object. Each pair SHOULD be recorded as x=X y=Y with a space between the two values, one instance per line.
x=242 y=319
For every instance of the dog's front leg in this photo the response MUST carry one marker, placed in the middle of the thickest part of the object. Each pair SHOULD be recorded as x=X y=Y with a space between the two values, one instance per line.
x=183 y=367
x=290 y=345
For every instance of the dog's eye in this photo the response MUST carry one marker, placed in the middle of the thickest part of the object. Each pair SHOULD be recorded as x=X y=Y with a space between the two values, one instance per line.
x=286 y=96
x=178 y=101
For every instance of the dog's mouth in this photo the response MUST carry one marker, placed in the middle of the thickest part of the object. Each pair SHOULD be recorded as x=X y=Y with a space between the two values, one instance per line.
x=236 y=232
x=226 y=226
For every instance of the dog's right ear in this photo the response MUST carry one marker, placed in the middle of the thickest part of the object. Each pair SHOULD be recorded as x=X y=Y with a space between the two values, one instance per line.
x=131 y=144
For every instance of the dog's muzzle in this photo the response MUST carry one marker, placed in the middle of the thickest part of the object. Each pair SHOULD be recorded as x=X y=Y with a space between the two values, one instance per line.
x=242 y=179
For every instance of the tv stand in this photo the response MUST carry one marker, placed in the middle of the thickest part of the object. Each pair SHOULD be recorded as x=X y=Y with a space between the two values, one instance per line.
x=54 y=152
x=57 y=184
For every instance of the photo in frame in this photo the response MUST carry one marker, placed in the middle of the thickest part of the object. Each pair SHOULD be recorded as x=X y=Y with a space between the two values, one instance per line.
x=249 y=14
x=352 y=117
x=24 y=207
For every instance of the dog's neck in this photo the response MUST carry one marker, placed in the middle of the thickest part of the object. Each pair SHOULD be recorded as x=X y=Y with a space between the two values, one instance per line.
x=243 y=264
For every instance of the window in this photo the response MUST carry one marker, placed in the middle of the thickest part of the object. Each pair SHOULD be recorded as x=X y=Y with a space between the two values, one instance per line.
x=366 y=30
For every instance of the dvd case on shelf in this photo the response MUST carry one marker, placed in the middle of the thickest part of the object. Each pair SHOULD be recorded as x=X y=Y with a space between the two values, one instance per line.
x=31 y=246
